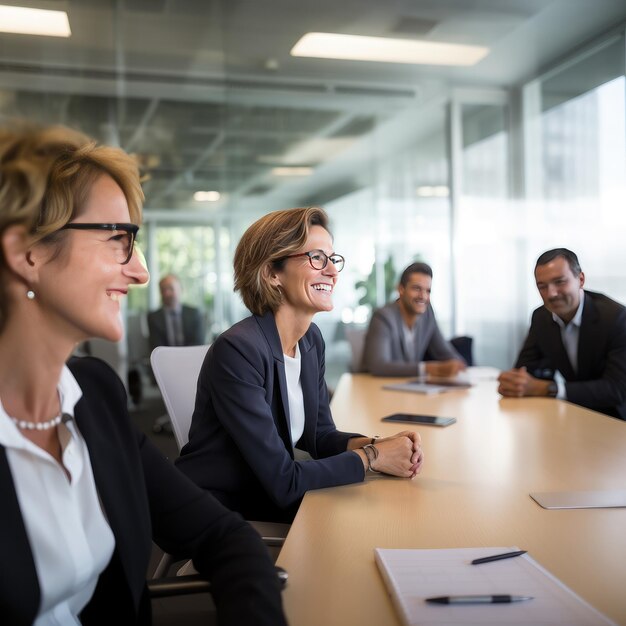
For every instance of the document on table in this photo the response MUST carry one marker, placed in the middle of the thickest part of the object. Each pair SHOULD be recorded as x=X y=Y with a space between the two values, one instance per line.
x=580 y=499
x=458 y=382
x=417 y=387
x=411 y=576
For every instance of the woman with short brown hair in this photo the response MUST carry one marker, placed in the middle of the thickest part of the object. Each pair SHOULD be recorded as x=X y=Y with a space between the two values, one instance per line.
x=261 y=390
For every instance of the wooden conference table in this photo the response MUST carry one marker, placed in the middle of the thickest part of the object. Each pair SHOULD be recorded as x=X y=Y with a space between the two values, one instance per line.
x=472 y=491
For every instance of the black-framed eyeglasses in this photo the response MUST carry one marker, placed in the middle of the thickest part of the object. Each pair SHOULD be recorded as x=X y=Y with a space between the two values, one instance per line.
x=123 y=239
x=319 y=259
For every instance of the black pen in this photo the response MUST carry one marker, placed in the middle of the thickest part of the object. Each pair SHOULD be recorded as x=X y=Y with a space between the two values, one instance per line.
x=477 y=599
x=498 y=557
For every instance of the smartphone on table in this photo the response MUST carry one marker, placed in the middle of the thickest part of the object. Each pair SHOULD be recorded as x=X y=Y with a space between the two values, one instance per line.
x=411 y=418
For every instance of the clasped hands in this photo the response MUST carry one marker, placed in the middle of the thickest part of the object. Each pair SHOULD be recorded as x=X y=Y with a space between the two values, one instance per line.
x=400 y=455
x=517 y=383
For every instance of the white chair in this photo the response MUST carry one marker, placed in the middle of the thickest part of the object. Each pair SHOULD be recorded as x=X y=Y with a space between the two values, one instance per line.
x=176 y=370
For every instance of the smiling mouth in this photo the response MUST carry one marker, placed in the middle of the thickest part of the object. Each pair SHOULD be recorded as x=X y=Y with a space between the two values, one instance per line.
x=116 y=296
x=323 y=287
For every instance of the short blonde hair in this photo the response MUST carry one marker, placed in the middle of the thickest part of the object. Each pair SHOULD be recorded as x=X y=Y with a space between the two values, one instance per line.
x=264 y=246
x=46 y=174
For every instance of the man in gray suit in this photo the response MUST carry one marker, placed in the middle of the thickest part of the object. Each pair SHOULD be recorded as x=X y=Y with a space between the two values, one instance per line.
x=401 y=333
x=174 y=324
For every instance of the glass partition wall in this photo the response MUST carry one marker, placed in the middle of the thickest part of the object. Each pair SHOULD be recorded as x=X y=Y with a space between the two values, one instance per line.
x=476 y=182
x=576 y=168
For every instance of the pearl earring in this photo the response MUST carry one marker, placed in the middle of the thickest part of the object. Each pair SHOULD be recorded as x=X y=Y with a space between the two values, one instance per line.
x=30 y=294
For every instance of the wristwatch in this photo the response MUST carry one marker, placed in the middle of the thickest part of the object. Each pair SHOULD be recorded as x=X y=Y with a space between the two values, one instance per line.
x=553 y=389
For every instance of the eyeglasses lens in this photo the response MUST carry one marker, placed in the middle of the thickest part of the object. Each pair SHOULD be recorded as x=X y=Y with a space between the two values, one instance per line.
x=319 y=260
x=124 y=243
x=338 y=261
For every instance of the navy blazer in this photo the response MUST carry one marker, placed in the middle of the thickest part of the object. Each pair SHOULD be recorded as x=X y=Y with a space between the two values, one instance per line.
x=143 y=497
x=600 y=380
x=239 y=441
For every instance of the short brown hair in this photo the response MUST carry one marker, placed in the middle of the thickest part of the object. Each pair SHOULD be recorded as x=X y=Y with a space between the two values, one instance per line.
x=46 y=174
x=415 y=268
x=264 y=246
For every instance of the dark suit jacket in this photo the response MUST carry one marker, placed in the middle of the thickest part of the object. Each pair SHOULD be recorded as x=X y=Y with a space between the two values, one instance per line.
x=193 y=327
x=143 y=497
x=239 y=442
x=600 y=380
x=385 y=353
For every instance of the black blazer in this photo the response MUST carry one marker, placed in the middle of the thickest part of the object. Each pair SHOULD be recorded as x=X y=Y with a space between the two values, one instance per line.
x=144 y=497
x=600 y=380
x=193 y=327
x=239 y=442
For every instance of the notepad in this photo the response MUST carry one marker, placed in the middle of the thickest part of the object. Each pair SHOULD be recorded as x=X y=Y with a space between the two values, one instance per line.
x=416 y=387
x=411 y=576
x=580 y=499
x=460 y=381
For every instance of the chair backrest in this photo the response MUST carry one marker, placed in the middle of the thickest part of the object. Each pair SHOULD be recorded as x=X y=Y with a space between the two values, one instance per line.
x=356 y=339
x=176 y=370
x=463 y=345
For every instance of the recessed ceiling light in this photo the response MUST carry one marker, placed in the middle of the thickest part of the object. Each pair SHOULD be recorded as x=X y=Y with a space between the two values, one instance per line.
x=206 y=196
x=386 y=50
x=25 y=21
x=292 y=171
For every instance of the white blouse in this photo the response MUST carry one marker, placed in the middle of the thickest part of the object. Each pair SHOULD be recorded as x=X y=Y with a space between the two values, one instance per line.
x=294 y=394
x=69 y=536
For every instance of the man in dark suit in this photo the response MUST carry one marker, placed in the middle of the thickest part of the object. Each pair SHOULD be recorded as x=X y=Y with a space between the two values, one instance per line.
x=576 y=345
x=174 y=324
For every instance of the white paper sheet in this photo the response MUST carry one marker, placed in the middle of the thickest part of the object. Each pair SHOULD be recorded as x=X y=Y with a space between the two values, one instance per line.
x=414 y=387
x=580 y=499
x=411 y=576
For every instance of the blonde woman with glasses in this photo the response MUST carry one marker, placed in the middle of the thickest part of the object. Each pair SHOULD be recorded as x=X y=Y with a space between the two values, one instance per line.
x=83 y=494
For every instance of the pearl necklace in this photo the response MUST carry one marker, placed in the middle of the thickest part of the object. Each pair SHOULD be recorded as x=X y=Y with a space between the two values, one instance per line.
x=24 y=425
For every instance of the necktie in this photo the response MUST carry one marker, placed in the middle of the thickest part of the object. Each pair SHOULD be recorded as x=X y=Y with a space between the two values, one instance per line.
x=177 y=338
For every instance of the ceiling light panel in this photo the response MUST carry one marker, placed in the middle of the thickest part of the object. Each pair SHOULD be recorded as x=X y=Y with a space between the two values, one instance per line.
x=25 y=21
x=386 y=50
x=292 y=171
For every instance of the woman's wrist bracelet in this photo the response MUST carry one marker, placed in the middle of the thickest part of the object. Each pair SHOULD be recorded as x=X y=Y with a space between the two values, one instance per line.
x=371 y=452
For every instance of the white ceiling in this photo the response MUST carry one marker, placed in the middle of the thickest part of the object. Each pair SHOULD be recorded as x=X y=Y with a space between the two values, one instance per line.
x=207 y=95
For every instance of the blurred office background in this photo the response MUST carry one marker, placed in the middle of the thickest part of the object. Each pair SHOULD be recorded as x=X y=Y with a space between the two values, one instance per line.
x=475 y=169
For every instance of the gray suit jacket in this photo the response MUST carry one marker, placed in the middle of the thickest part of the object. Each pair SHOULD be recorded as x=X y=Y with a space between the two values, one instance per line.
x=385 y=352
x=193 y=327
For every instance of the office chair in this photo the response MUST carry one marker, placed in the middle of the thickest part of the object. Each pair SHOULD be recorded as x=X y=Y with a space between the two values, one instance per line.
x=190 y=584
x=176 y=370
x=463 y=345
